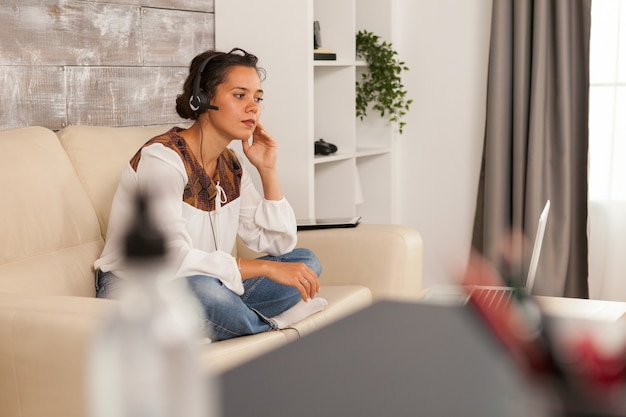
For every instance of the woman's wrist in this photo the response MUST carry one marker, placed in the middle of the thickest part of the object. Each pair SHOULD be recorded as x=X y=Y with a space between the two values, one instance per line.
x=250 y=268
x=271 y=185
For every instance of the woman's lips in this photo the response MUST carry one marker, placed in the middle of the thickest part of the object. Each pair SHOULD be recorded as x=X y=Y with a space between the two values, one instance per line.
x=249 y=123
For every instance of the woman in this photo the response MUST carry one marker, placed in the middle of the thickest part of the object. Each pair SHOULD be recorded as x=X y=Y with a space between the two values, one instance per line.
x=203 y=198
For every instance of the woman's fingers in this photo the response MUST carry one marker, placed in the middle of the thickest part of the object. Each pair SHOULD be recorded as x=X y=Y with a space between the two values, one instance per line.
x=305 y=289
x=310 y=283
x=297 y=275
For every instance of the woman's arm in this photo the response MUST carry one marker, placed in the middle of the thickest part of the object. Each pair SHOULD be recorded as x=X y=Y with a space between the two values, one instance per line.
x=262 y=154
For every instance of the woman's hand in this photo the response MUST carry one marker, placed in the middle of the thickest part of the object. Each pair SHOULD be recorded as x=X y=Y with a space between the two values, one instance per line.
x=295 y=274
x=262 y=154
x=262 y=151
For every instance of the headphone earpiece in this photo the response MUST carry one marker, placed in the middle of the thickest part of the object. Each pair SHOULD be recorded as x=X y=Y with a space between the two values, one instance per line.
x=199 y=100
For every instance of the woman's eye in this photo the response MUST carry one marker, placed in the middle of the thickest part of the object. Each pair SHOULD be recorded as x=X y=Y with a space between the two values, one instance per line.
x=243 y=95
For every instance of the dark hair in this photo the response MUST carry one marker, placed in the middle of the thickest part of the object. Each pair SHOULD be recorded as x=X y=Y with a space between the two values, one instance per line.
x=214 y=73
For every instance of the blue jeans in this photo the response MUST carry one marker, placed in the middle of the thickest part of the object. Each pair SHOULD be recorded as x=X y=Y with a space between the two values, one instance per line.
x=227 y=314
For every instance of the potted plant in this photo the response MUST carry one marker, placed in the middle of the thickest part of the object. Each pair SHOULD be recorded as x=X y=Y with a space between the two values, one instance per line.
x=380 y=87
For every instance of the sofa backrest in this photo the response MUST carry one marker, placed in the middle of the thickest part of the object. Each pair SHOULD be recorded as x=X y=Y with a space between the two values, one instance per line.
x=49 y=232
x=99 y=155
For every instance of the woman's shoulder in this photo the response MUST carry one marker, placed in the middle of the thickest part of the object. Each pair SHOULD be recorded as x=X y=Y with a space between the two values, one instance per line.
x=170 y=140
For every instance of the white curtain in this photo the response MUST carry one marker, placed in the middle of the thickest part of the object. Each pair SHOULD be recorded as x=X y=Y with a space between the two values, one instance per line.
x=607 y=151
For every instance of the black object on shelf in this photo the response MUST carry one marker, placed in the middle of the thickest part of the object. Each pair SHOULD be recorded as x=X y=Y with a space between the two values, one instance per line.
x=324 y=56
x=324 y=148
x=320 y=54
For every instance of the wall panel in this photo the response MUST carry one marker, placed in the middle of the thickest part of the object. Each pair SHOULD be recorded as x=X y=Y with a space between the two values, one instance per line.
x=197 y=5
x=194 y=34
x=98 y=62
x=123 y=96
x=53 y=32
x=32 y=95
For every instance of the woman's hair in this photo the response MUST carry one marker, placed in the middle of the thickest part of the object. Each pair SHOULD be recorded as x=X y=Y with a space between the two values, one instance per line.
x=215 y=72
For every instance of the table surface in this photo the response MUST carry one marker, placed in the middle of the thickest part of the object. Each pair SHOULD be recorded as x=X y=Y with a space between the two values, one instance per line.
x=579 y=308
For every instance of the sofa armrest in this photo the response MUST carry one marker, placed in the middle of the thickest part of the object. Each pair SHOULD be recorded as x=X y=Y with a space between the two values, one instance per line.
x=385 y=258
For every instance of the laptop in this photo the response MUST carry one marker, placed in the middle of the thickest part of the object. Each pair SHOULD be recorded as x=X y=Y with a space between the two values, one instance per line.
x=328 y=223
x=493 y=295
x=498 y=296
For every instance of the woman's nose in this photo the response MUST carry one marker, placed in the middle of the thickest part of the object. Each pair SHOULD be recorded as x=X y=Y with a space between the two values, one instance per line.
x=254 y=106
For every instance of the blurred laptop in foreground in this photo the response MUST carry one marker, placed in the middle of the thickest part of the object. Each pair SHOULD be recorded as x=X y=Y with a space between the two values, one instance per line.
x=495 y=292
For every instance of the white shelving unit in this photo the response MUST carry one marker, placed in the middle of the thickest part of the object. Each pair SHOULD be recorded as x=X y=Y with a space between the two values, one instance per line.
x=306 y=100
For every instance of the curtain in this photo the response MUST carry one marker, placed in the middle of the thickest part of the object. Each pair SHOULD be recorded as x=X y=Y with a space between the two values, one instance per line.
x=536 y=140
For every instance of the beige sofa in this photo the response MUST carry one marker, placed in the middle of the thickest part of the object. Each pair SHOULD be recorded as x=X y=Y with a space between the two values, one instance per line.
x=56 y=194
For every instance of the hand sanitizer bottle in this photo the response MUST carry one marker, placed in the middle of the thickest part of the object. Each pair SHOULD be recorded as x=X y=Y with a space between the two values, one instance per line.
x=145 y=359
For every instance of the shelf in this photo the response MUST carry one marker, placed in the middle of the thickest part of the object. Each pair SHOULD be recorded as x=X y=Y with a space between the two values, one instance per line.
x=311 y=99
x=335 y=63
x=339 y=156
x=360 y=153
x=372 y=151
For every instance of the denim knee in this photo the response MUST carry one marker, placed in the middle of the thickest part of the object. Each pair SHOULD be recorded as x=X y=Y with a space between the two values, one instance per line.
x=304 y=255
x=108 y=285
x=311 y=260
x=226 y=314
x=211 y=292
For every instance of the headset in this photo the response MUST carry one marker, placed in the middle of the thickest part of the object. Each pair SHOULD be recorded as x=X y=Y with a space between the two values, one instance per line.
x=199 y=100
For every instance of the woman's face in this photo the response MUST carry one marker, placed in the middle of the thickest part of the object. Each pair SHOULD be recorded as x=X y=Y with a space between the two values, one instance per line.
x=238 y=98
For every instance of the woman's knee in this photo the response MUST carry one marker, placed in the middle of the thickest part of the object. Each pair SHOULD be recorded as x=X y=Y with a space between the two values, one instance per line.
x=308 y=257
x=108 y=285
x=226 y=314
x=210 y=291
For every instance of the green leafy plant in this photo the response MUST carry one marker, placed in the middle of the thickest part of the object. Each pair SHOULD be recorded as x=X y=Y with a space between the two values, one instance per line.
x=381 y=85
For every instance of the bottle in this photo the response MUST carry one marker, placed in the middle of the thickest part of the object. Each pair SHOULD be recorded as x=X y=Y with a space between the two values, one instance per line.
x=145 y=360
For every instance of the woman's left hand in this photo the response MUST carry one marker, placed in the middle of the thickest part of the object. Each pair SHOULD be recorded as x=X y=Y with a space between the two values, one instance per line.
x=262 y=151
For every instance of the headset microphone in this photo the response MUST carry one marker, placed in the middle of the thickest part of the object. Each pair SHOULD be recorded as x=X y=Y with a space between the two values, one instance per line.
x=199 y=100
x=197 y=106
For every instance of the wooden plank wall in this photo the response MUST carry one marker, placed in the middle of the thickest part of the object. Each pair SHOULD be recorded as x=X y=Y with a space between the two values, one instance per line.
x=98 y=62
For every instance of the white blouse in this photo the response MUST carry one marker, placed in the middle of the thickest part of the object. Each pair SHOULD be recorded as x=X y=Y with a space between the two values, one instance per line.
x=198 y=241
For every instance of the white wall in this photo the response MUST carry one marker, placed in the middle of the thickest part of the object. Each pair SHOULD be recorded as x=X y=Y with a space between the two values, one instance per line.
x=445 y=44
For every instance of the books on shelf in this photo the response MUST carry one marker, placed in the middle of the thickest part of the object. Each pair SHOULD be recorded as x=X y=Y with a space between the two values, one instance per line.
x=324 y=55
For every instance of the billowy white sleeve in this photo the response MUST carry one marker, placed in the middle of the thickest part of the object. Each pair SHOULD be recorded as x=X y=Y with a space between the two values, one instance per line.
x=265 y=225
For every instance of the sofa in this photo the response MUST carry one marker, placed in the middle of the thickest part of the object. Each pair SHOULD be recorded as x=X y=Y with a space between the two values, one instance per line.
x=57 y=190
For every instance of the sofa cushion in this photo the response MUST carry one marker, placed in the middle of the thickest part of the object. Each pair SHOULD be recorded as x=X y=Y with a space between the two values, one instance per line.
x=99 y=155
x=50 y=233
x=218 y=357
